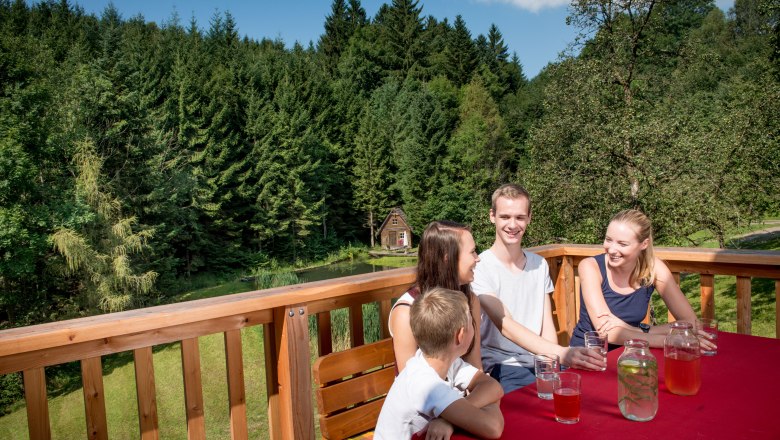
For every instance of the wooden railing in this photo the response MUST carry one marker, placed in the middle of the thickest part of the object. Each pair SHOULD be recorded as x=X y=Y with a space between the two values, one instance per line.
x=283 y=313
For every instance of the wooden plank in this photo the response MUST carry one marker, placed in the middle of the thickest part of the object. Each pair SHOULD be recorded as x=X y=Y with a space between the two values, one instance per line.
x=324 y=334
x=37 y=404
x=565 y=300
x=726 y=269
x=384 y=318
x=359 y=389
x=356 y=325
x=94 y=398
x=356 y=420
x=234 y=359
x=116 y=344
x=45 y=336
x=193 y=389
x=577 y=296
x=295 y=410
x=553 y=264
x=146 y=393
x=368 y=296
x=743 y=306
x=272 y=381
x=672 y=254
x=707 y=283
x=336 y=366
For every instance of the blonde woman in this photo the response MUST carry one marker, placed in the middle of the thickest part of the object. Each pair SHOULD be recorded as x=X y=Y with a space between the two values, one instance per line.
x=616 y=286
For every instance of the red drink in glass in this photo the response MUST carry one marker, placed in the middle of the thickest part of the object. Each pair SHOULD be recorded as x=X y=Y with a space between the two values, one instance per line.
x=682 y=373
x=567 y=405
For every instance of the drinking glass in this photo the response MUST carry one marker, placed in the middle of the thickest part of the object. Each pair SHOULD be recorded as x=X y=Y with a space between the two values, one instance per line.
x=566 y=397
x=597 y=342
x=709 y=328
x=546 y=366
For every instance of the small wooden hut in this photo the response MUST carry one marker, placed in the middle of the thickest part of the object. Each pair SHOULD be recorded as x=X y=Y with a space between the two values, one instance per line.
x=395 y=232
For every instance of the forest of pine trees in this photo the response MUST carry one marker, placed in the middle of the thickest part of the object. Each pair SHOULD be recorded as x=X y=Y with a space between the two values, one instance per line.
x=135 y=154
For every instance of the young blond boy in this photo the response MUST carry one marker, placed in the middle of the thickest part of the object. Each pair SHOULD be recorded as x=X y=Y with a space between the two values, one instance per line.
x=436 y=379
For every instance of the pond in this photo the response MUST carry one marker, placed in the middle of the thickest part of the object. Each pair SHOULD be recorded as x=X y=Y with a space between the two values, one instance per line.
x=337 y=270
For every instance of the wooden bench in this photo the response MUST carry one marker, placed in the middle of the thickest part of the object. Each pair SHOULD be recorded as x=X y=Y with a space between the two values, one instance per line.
x=351 y=388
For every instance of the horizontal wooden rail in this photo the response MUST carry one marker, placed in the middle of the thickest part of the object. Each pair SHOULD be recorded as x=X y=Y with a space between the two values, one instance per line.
x=284 y=314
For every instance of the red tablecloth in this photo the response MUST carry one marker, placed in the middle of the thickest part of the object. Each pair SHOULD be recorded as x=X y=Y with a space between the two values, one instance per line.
x=739 y=398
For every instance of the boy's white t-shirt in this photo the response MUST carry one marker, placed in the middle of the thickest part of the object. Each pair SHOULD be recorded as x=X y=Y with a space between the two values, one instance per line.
x=419 y=395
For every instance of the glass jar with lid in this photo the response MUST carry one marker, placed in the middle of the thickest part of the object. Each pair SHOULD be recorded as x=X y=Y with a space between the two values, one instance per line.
x=637 y=381
x=682 y=359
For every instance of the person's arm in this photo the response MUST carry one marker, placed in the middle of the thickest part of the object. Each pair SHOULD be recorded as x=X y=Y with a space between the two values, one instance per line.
x=485 y=422
x=576 y=357
x=484 y=390
x=474 y=357
x=548 y=327
x=404 y=344
x=676 y=301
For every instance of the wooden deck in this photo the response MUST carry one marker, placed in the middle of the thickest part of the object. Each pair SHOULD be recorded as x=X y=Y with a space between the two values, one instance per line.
x=283 y=313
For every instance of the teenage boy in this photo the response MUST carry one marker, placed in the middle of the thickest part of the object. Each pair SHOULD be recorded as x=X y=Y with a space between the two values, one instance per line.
x=435 y=380
x=514 y=289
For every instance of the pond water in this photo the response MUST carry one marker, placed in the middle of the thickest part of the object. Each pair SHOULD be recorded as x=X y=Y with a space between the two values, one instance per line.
x=337 y=270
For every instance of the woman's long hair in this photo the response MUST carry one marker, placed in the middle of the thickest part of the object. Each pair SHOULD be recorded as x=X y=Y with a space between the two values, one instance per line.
x=438 y=256
x=644 y=272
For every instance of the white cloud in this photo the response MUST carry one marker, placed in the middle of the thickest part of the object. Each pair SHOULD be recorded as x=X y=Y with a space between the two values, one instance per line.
x=532 y=5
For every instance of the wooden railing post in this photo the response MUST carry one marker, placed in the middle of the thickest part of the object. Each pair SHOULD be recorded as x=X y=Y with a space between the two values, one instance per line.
x=234 y=360
x=743 y=306
x=193 y=389
x=384 y=318
x=777 y=309
x=356 y=338
x=94 y=398
x=294 y=401
x=324 y=334
x=147 y=396
x=37 y=404
x=707 y=283
x=565 y=300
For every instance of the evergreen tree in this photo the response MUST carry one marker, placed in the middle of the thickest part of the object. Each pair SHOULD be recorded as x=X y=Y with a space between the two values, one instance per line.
x=373 y=153
x=461 y=53
x=401 y=38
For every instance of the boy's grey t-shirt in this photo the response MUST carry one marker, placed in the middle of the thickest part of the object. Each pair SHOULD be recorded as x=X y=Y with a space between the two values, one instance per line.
x=522 y=294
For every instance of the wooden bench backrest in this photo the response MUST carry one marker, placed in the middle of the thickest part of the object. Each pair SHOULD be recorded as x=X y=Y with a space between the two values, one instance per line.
x=351 y=386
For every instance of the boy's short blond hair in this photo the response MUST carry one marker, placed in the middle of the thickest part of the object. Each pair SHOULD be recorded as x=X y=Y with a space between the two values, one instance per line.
x=436 y=317
x=510 y=191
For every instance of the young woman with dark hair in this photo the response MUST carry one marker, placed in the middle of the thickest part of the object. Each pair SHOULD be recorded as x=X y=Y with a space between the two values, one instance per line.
x=446 y=258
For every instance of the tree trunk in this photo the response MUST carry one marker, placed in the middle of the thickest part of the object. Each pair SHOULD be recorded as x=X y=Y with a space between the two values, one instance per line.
x=371 y=226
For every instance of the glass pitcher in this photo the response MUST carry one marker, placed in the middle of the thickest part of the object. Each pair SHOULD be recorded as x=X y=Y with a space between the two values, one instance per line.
x=637 y=381
x=682 y=360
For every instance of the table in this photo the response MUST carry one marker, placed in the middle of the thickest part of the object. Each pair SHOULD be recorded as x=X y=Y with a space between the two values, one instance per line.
x=739 y=399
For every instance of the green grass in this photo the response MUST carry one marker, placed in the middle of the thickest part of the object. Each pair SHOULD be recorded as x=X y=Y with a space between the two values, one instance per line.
x=763 y=301
x=393 y=261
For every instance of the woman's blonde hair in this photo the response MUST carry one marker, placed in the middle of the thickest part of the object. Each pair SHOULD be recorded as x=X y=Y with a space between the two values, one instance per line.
x=644 y=272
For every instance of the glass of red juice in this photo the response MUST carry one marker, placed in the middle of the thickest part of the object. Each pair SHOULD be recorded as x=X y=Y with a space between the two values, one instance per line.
x=566 y=397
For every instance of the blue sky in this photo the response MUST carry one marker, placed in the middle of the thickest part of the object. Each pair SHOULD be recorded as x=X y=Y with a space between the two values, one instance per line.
x=535 y=30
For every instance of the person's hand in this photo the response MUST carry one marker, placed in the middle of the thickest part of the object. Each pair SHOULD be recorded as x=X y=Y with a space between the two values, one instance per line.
x=610 y=321
x=439 y=429
x=705 y=343
x=583 y=358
